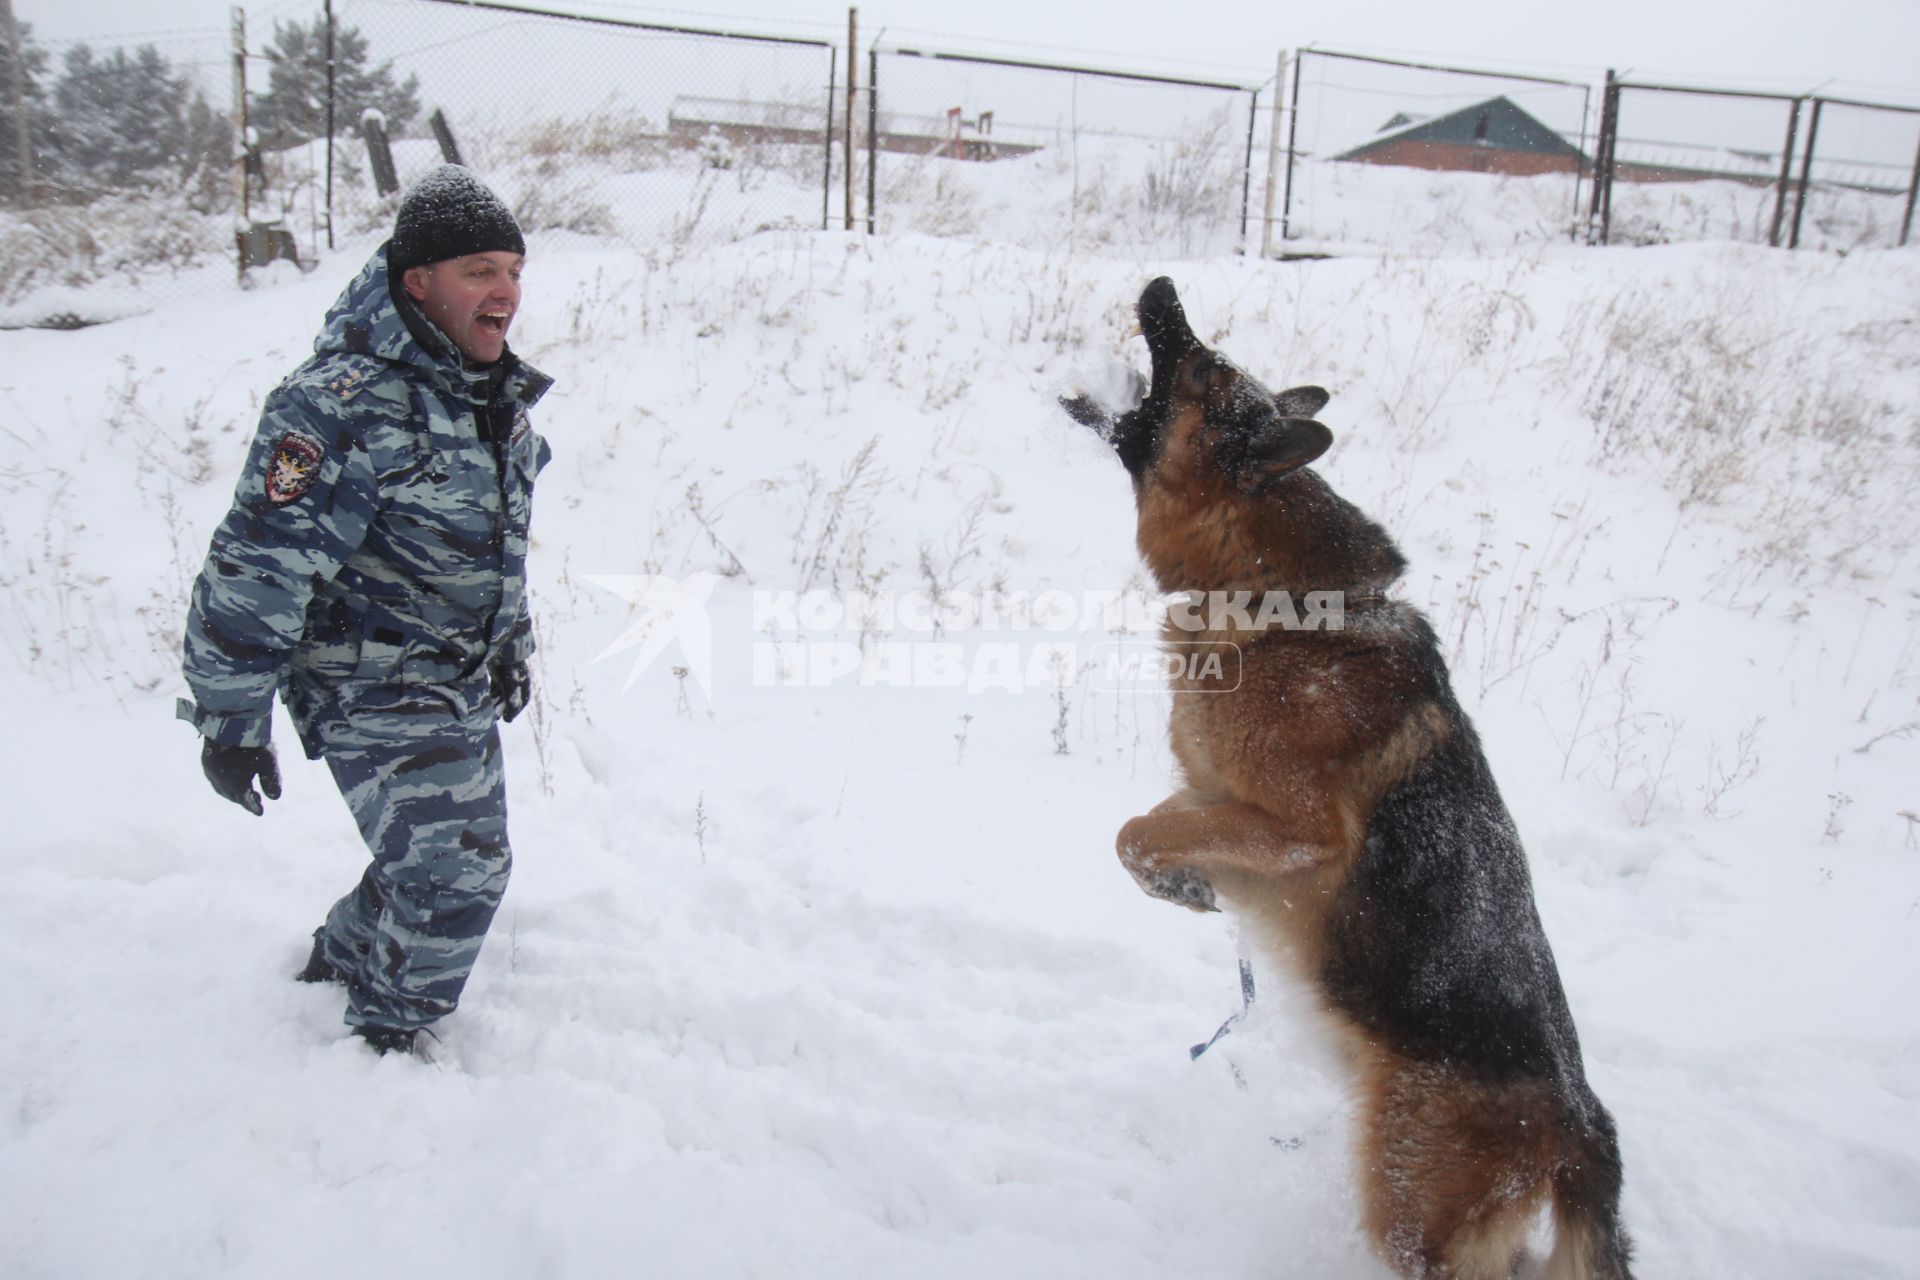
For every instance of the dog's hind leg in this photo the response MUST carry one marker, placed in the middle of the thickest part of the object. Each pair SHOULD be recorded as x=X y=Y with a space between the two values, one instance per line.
x=1453 y=1174
x=1589 y=1242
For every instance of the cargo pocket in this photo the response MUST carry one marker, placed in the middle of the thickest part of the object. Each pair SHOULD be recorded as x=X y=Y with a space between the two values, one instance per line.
x=330 y=649
x=383 y=646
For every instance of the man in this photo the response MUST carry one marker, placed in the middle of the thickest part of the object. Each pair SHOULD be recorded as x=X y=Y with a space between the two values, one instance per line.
x=372 y=570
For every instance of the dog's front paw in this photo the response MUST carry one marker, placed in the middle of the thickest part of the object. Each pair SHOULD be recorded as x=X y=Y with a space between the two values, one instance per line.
x=1182 y=886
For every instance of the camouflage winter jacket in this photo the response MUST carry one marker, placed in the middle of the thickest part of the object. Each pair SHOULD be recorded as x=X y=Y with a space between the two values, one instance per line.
x=371 y=538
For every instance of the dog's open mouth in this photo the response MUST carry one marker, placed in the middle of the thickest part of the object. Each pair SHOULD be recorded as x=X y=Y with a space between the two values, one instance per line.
x=1163 y=321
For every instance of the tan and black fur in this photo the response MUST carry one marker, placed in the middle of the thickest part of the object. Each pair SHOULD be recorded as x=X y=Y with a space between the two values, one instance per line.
x=1336 y=797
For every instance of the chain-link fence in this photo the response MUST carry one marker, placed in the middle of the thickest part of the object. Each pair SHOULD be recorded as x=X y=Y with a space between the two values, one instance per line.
x=649 y=133
x=667 y=136
x=1415 y=156
x=124 y=192
x=1048 y=155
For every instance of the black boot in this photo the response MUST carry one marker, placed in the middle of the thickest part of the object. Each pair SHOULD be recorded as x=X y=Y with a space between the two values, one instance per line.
x=385 y=1040
x=318 y=970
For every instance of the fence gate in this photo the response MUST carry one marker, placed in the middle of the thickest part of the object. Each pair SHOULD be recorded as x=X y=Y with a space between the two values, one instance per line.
x=1046 y=155
x=1859 y=175
x=1415 y=156
x=1688 y=163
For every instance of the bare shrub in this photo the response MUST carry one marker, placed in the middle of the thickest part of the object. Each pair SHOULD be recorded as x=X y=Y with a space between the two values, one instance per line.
x=562 y=201
x=836 y=525
x=609 y=133
x=934 y=195
x=1737 y=413
x=74 y=246
x=1189 y=182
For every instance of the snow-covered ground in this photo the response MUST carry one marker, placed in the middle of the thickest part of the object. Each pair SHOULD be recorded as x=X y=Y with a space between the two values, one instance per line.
x=840 y=978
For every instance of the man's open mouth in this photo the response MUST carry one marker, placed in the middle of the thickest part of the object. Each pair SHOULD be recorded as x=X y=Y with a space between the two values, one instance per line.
x=493 y=322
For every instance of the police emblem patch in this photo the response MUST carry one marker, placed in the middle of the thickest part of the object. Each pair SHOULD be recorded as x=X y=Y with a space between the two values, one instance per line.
x=292 y=469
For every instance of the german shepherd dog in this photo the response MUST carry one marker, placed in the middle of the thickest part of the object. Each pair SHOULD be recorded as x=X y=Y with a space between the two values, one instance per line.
x=1337 y=798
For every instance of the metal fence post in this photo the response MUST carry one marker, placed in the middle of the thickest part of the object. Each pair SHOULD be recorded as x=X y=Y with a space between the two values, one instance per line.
x=1612 y=171
x=1273 y=153
x=826 y=171
x=1293 y=134
x=1600 y=212
x=873 y=130
x=1586 y=113
x=853 y=62
x=1246 y=168
x=1786 y=174
x=1806 y=173
x=1913 y=190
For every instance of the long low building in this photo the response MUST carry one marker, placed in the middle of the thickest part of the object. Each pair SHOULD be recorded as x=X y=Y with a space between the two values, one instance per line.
x=1494 y=136
x=692 y=121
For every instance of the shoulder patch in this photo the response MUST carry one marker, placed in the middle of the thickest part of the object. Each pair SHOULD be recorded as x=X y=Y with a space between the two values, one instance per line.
x=292 y=468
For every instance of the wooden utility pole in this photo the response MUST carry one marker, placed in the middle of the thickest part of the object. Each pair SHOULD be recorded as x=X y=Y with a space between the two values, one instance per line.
x=853 y=75
x=240 y=183
x=17 y=93
x=330 y=123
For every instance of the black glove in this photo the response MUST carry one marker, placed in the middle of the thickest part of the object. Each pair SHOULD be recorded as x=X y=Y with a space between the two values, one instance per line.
x=512 y=686
x=231 y=770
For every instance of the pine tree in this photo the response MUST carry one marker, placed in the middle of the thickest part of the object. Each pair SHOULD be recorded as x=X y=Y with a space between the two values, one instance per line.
x=294 y=107
x=33 y=66
x=125 y=121
x=117 y=118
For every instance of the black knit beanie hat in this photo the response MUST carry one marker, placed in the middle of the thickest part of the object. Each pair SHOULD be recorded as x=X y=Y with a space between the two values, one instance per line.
x=449 y=214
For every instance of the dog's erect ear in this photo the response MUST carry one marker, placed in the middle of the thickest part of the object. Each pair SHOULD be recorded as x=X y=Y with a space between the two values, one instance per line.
x=1301 y=402
x=1282 y=445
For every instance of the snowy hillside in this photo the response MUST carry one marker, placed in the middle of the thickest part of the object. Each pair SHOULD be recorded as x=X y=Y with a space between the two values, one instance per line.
x=813 y=972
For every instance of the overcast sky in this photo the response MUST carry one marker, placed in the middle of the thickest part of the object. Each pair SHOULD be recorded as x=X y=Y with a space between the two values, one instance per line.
x=1868 y=48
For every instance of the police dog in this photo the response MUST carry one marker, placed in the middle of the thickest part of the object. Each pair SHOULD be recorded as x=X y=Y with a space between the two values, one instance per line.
x=1338 y=800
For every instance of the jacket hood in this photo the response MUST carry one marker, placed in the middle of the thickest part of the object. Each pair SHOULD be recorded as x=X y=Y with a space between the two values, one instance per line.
x=371 y=318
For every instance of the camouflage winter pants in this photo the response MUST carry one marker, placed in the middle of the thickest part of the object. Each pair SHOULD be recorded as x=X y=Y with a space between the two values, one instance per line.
x=420 y=768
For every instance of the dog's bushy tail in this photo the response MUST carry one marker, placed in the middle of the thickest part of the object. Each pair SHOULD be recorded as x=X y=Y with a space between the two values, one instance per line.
x=1589 y=1242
